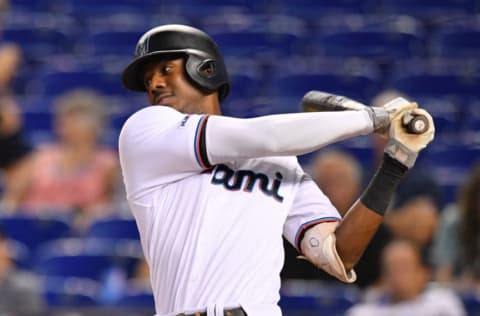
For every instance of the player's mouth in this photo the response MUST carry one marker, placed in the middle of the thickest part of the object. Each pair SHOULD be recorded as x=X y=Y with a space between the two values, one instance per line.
x=161 y=99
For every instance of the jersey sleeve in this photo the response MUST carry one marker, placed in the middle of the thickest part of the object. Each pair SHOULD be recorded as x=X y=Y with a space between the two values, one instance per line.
x=158 y=145
x=310 y=207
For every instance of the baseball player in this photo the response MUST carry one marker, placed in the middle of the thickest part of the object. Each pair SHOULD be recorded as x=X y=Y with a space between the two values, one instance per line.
x=212 y=195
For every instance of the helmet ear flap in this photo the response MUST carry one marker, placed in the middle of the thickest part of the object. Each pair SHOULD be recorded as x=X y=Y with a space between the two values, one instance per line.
x=207 y=69
x=201 y=71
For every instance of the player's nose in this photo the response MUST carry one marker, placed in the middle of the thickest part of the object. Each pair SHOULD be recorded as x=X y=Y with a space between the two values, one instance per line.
x=157 y=82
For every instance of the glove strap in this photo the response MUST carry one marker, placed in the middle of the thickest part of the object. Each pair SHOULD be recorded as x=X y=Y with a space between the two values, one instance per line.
x=401 y=153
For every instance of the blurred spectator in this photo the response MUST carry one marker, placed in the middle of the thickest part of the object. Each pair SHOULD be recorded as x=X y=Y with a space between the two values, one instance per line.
x=74 y=174
x=339 y=176
x=405 y=278
x=457 y=243
x=10 y=53
x=414 y=214
x=14 y=147
x=19 y=291
x=10 y=59
x=15 y=152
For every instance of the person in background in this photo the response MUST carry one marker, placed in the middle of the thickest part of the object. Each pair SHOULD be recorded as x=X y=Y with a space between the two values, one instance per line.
x=339 y=176
x=10 y=60
x=14 y=154
x=456 y=249
x=15 y=148
x=405 y=276
x=19 y=291
x=74 y=174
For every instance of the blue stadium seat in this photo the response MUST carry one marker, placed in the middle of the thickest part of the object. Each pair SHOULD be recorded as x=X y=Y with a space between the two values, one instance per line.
x=332 y=304
x=471 y=117
x=252 y=43
x=32 y=230
x=87 y=258
x=429 y=8
x=117 y=121
x=313 y=10
x=137 y=300
x=255 y=23
x=78 y=265
x=38 y=41
x=85 y=8
x=30 y=5
x=358 y=87
x=38 y=126
x=368 y=22
x=38 y=121
x=69 y=292
x=114 y=228
x=306 y=303
x=458 y=158
x=384 y=45
x=419 y=83
x=113 y=42
x=61 y=299
x=359 y=79
x=196 y=11
x=55 y=83
x=243 y=87
x=458 y=43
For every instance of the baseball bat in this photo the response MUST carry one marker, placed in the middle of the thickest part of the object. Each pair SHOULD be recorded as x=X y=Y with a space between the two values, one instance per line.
x=315 y=101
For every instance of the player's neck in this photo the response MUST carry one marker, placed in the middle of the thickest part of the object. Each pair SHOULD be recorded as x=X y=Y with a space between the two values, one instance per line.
x=211 y=105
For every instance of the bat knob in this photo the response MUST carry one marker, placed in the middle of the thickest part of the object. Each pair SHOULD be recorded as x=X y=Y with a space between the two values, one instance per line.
x=418 y=124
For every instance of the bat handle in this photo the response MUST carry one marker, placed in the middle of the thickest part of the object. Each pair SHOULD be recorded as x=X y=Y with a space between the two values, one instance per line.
x=415 y=124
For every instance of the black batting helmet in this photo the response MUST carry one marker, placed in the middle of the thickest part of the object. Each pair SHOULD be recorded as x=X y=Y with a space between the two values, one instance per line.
x=204 y=63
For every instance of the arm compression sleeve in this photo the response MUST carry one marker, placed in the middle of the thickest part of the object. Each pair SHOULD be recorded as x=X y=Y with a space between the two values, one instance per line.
x=229 y=138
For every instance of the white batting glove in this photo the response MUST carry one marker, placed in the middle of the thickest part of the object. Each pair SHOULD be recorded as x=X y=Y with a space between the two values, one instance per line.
x=403 y=146
x=384 y=115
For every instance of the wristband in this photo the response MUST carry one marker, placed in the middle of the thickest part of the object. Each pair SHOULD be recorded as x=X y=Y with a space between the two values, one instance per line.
x=382 y=187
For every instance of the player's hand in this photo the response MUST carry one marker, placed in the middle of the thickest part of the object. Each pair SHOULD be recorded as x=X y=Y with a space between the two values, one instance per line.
x=403 y=146
x=384 y=115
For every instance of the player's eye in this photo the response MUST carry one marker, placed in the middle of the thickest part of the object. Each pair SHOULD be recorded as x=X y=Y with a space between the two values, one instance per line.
x=167 y=69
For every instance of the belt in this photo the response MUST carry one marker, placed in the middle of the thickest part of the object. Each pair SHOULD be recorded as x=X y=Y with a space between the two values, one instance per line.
x=228 y=312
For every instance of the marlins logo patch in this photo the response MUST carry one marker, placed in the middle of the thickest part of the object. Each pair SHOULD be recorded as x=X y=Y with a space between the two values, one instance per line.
x=142 y=48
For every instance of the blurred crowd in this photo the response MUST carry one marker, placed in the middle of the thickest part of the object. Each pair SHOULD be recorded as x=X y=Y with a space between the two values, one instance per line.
x=424 y=260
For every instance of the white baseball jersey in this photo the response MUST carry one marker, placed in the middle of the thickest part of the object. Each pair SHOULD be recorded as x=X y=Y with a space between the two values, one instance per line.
x=212 y=235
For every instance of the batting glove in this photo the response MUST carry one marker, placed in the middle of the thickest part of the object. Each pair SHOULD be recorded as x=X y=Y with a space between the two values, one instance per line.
x=403 y=146
x=384 y=115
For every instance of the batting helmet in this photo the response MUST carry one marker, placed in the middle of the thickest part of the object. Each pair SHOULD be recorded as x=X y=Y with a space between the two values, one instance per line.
x=204 y=63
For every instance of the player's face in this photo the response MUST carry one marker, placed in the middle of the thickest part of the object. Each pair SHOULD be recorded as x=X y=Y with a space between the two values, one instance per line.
x=166 y=84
